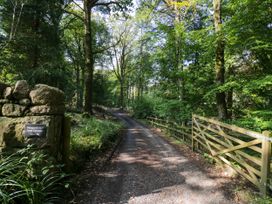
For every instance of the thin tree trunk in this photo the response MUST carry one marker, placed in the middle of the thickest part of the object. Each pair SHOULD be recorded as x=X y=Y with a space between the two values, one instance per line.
x=13 y=21
x=78 y=87
x=82 y=88
x=230 y=103
x=36 y=26
x=122 y=94
x=89 y=61
x=230 y=96
x=219 y=61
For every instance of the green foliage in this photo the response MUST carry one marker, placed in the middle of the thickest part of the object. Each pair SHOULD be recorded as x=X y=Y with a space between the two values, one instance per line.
x=92 y=136
x=33 y=48
x=152 y=105
x=142 y=108
x=260 y=120
x=105 y=89
x=29 y=176
x=261 y=200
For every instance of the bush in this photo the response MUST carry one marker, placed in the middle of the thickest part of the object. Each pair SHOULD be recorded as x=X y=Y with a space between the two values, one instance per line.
x=171 y=109
x=142 y=107
x=92 y=136
x=30 y=177
x=255 y=120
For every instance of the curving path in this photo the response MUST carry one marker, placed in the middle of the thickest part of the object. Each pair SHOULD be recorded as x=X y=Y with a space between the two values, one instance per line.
x=149 y=170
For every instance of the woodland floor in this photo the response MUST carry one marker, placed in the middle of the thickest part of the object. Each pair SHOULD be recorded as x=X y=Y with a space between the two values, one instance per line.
x=148 y=169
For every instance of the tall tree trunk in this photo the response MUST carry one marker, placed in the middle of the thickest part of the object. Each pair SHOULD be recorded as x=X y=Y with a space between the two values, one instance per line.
x=122 y=94
x=78 y=87
x=178 y=51
x=230 y=96
x=219 y=61
x=230 y=103
x=82 y=88
x=35 y=28
x=89 y=61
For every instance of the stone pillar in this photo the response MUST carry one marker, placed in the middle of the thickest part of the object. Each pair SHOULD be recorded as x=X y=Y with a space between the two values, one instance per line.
x=21 y=107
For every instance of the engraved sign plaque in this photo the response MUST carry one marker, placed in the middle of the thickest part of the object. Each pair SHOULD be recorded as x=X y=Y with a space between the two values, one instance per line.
x=35 y=130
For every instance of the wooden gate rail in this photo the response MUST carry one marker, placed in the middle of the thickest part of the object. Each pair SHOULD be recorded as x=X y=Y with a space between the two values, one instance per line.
x=182 y=131
x=246 y=151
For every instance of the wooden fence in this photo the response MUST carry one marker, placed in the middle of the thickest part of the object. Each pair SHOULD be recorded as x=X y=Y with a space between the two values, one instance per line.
x=246 y=151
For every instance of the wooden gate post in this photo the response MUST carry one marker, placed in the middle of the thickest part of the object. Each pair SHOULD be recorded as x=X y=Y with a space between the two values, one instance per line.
x=192 y=132
x=266 y=153
x=66 y=134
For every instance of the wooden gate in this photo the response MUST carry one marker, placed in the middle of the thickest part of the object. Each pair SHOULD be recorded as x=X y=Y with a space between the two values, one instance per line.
x=246 y=151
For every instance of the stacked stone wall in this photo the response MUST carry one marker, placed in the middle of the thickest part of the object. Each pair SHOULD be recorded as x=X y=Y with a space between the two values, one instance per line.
x=22 y=105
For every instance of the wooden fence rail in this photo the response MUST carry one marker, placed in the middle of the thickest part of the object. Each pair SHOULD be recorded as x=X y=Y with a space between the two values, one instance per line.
x=246 y=151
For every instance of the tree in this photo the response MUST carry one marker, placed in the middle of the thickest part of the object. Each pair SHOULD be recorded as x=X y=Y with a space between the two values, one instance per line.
x=89 y=57
x=88 y=7
x=74 y=36
x=33 y=48
x=121 y=55
x=73 y=41
x=219 y=60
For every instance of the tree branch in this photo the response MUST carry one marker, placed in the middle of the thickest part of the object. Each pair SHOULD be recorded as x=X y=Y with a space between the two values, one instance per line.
x=108 y=4
x=77 y=5
x=74 y=14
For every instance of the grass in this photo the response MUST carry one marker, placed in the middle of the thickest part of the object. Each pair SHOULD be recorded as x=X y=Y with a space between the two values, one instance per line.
x=91 y=137
x=30 y=176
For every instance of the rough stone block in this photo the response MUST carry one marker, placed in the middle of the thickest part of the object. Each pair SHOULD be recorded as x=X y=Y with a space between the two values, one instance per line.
x=46 y=95
x=47 y=110
x=25 y=102
x=12 y=133
x=21 y=90
x=13 y=110
x=8 y=93
x=2 y=89
x=8 y=136
x=4 y=101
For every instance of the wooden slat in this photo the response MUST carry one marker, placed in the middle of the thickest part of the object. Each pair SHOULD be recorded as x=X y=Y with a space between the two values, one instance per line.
x=265 y=164
x=251 y=158
x=241 y=162
x=172 y=123
x=255 y=182
x=201 y=142
x=172 y=129
x=231 y=149
x=250 y=169
x=232 y=127
x=230 y=142
x=257 y=149
x=212 y=137
x=203 y=135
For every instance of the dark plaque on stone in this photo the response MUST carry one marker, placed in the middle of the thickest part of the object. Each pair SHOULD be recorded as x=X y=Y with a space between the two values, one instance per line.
x=35 y=130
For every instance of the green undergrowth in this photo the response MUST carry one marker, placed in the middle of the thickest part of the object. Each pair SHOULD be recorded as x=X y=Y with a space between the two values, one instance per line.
x=251 y=197
x=261 y=200
x=30 y=176
x=91 y=137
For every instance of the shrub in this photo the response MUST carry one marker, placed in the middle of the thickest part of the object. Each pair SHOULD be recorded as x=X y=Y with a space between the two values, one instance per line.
x=151 y=105
x=90 y=137
x=142 y=107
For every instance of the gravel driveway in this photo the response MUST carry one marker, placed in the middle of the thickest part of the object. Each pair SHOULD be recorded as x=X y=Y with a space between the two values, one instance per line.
x=149 y=170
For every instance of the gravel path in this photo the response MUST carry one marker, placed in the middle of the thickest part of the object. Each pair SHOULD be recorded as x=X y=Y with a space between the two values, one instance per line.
x=147 y=170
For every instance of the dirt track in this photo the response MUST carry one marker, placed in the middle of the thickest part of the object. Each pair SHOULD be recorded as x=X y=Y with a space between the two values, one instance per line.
x=149 y=170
